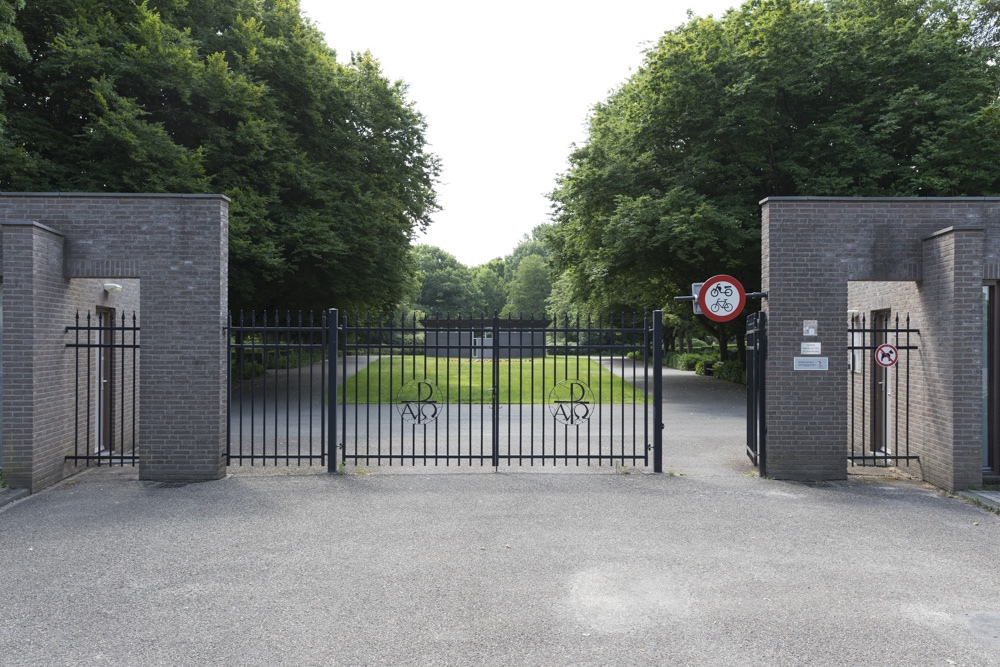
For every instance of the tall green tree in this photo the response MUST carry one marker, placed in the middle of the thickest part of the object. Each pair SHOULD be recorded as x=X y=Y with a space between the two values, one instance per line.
x=489 y=290
x=12 y=49
x=530 y=244
x=445 y=283
x=777 y=97
x=530 y=289
x=326 y=163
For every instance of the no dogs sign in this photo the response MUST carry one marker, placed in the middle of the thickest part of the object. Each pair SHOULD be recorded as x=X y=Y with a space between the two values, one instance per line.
x=886 y=355
x=722 y=298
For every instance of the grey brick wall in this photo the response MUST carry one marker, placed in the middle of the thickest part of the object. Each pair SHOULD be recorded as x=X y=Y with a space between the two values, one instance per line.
x=176 y=246
x=811 y=249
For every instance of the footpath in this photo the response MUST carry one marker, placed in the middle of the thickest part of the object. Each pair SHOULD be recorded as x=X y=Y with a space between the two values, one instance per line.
x=705 y=565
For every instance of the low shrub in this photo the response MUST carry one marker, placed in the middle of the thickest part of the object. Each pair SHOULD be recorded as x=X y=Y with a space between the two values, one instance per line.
x=246 y=370
x=731 y=371
x=683 y=361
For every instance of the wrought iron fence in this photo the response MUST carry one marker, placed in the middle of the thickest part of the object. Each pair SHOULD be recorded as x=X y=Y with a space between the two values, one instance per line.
x=486 y=391
x=756 y=399
x=278 y=388
x=443 y=391
x=105 y=415
x=880 y=391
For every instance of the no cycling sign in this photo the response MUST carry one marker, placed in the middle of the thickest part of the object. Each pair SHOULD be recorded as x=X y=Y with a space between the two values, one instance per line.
x=722 y=298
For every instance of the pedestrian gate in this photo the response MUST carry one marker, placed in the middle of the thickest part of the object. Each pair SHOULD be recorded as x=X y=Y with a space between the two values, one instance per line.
x=756 y=422
x=879 y=403
x=445 y=392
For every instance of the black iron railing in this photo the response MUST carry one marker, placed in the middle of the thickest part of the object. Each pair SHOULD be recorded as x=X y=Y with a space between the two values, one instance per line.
x=277 y=389
x=485 y=391
x=880 y=391
x=756 y=398
x=105 y=415
x=448 y=391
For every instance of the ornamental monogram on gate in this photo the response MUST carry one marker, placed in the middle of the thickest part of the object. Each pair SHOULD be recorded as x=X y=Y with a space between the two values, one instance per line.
x=415 y=402
x=570 y=402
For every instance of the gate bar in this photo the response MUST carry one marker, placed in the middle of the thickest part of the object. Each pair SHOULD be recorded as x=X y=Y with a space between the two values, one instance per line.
x=657 y=391
x=496 y=393
x=333 y=323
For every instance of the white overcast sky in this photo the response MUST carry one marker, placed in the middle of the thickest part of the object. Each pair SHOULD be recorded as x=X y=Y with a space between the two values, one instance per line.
x=505 y=88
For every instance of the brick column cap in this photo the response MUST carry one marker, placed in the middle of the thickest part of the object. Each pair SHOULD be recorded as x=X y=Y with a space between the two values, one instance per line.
x=112 y=195
x=885 y=199
x=30 y=223
x=955 y=228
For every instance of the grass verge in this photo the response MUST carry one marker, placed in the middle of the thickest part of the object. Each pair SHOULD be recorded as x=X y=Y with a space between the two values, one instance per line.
x=521 y=381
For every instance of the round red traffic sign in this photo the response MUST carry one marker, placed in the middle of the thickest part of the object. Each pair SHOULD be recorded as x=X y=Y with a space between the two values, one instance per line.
x=886 y=355
x=721 y=298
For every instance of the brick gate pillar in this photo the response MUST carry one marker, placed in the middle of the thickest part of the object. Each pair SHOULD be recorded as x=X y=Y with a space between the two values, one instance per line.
x=34 y=397
x=806 y=409
x=182 y=395
x=951 y=431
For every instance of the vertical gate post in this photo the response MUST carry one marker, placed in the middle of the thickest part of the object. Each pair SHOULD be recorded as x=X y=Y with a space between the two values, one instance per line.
x=657 y=391
x=332 y=323
x=751 y=342
x=496 y=389
x=762 y=395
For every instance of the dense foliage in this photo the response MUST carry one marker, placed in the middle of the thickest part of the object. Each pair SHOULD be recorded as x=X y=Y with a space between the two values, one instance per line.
x=777 y=97
x=515 y=285
x=325 y=163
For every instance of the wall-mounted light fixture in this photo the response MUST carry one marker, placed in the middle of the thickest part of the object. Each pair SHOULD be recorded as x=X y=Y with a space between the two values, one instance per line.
x=112 y=288
x=852 y=314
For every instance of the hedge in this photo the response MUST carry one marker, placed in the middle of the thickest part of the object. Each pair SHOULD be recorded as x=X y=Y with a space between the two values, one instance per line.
x=731 y=371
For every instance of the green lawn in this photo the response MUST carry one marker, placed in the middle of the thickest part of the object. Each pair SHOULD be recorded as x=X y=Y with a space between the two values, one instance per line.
x=463 y=381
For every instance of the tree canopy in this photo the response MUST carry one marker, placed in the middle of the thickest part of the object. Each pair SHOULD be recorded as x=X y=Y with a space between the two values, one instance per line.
x=777 y=97
x=325 y=163
x=516 y=284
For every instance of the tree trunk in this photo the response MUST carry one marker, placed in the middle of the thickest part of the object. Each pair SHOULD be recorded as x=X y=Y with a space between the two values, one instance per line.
x=723 y=343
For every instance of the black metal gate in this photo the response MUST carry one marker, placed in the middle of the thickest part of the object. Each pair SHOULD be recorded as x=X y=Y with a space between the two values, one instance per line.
x=460 y=392
x=756 y=422
x=106 y=368
x=879 y=407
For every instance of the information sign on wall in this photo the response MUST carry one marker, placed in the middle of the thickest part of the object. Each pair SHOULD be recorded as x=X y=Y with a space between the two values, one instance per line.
x=812 y=363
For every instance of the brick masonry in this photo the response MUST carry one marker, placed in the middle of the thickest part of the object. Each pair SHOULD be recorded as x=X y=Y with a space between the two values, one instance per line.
x=57 y=251
x=929 y=257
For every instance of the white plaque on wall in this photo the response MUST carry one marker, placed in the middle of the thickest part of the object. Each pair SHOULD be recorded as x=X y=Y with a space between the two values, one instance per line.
x=812 y=363
x=812 y=348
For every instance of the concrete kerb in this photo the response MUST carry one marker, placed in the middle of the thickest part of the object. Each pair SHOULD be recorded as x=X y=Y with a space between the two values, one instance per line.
x=8 y=496
x=986 y=499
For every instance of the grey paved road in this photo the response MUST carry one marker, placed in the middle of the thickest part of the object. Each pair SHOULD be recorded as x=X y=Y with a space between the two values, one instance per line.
x=709 y=566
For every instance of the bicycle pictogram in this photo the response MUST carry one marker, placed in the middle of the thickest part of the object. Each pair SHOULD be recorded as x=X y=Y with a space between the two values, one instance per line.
x=723 y=305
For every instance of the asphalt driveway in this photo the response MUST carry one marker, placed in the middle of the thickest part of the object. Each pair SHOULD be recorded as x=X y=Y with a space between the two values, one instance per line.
x=708 y=565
